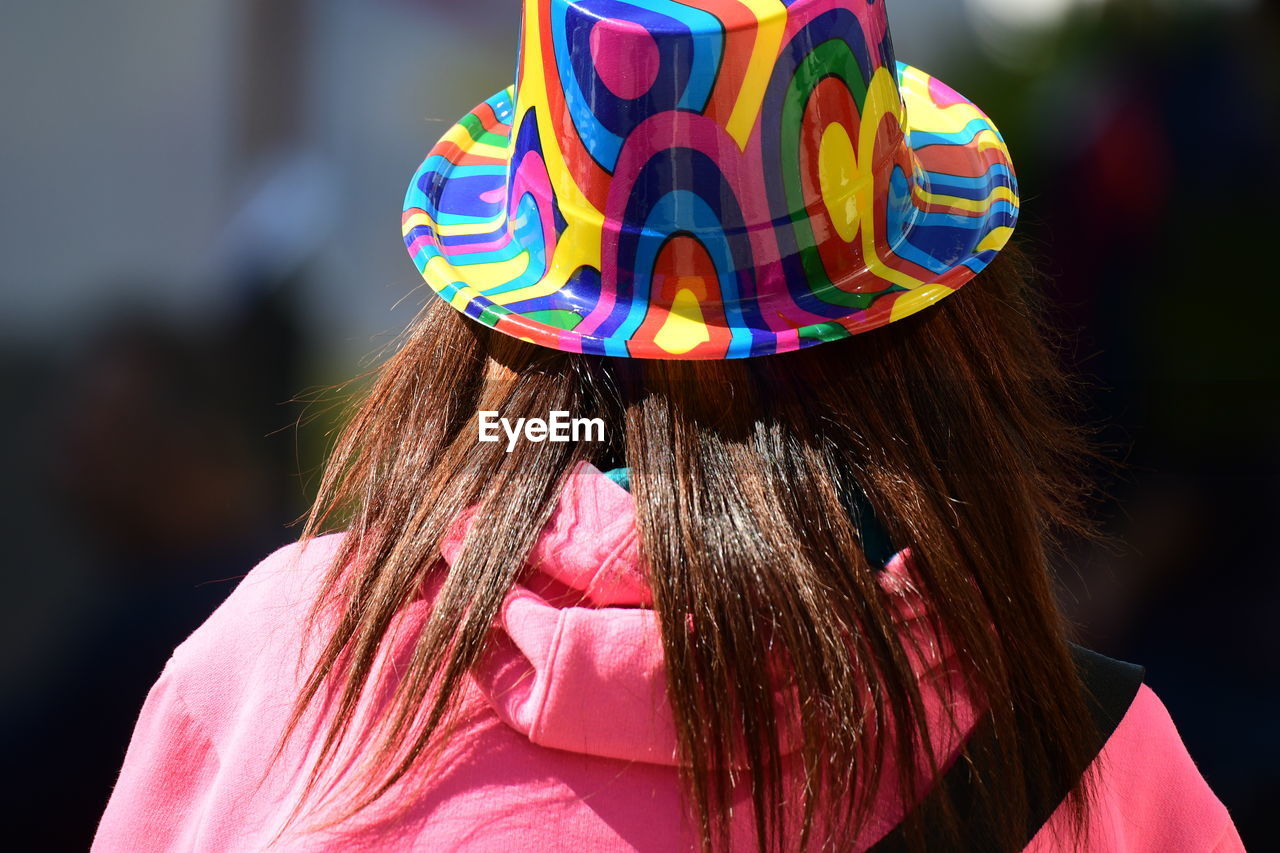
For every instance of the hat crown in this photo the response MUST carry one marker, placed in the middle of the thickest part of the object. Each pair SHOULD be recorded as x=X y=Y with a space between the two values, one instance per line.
x=709 y=179
x=641 y=95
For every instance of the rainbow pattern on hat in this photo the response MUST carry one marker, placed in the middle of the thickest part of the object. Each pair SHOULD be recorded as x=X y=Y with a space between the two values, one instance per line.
x=707 y=180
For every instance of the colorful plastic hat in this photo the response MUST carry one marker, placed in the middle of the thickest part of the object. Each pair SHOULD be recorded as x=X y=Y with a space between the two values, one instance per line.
x=708 y=179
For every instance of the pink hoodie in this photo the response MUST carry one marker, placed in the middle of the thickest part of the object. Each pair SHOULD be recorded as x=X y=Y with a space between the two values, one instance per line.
x=565 y=742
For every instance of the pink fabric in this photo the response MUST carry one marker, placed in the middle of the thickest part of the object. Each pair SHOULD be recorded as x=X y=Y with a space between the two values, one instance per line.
x=565 y=741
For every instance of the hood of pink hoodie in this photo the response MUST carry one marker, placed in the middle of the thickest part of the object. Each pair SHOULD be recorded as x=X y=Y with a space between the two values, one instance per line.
x=576 y=658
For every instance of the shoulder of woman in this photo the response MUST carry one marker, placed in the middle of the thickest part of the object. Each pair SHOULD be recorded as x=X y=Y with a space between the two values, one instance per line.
x=254 y=641
x=224 y=693
x=1147 y=778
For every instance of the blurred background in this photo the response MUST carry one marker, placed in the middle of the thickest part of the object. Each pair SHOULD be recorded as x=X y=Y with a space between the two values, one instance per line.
x=199 y=226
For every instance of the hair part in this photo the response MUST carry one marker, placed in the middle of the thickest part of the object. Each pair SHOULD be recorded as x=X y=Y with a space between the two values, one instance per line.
x=745 y=476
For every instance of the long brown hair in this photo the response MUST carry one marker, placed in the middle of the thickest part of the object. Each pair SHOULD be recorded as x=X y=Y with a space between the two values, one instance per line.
x=744 y=474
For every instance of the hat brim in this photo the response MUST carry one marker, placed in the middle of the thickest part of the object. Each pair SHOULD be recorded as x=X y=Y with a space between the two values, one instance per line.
x=493 y=264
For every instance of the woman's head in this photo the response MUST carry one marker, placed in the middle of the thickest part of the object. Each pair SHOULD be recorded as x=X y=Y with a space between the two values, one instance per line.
x=747 y=476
